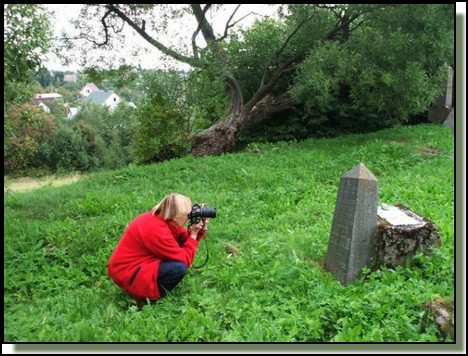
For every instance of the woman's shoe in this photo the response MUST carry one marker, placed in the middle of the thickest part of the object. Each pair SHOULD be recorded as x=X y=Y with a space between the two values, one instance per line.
x=140 y=302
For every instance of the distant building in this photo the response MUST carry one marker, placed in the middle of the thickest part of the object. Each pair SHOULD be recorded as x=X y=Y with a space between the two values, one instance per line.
x=71 y=112
x=69 y=78
x=44 y=107
x=103 y=97
x=46 y=98
x=88 y=88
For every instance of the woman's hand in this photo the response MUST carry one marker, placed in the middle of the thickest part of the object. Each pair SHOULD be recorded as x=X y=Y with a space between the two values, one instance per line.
x=195 y=229
x=205 y=222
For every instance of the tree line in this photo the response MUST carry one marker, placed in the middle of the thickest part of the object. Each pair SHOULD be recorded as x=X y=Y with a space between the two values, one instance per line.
x=311 y=70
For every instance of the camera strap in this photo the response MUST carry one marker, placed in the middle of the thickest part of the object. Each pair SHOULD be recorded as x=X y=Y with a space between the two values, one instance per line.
x=207 y=255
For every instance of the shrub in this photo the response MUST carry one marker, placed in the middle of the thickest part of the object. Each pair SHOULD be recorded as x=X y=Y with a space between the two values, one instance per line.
x=29 y=126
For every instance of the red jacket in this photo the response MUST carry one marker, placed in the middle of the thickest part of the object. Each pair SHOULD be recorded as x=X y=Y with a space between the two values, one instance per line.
x=147 y=241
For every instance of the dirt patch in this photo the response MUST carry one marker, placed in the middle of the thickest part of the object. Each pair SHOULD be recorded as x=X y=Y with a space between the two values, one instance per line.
x=429 y=151
x=27 y=183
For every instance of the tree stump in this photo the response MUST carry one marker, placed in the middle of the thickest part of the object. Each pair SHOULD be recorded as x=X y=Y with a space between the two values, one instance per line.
x=439 y=311
x=400 y=233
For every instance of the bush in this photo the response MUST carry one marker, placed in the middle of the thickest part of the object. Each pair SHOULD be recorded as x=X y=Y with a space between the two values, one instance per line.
x=158 y=131
x=28 y=127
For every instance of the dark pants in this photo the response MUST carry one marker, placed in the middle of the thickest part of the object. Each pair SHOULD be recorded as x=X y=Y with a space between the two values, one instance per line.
x=170 y=274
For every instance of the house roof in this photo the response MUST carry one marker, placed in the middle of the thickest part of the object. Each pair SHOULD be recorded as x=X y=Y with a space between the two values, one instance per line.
x=91 y=87
x=100 y=96
x=47 y=96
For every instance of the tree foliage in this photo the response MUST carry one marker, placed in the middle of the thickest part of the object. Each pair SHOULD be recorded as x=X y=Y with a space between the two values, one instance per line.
x=26 y=38
x=158 y=129
x=358 y=86
x=342 y=66
x=30 y=126
x=95 y=138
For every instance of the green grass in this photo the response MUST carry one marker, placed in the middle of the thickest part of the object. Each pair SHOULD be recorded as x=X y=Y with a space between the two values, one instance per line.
x=275 y=204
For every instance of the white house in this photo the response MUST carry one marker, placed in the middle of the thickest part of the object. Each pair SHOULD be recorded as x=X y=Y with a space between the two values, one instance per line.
x=103 y=97
x=88 y=88
x=71 y=112
x=44 y=107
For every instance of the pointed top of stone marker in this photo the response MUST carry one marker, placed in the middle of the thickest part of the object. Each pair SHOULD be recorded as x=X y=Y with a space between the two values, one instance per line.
x=360 y=171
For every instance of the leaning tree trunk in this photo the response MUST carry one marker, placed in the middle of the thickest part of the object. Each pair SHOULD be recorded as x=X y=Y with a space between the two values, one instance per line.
x=218 y=138
x=222 y=136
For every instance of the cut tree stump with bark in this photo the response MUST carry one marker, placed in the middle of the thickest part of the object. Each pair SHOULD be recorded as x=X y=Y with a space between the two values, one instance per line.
x=400 y=233
x=439 y=311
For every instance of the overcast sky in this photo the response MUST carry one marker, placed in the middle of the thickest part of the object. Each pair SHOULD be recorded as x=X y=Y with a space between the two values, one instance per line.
x=152 y=59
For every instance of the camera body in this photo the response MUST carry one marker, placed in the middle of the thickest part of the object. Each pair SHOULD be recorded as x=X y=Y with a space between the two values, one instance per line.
x=199 y=212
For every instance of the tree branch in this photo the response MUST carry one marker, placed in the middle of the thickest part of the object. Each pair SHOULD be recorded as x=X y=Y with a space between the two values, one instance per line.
x=284 y=68
x=264 y=88
x=203 y=24
x=227 y=27
x=166 y=50
x=306 y=18
x=104 y=25
x=197 y=31
x=346 y=19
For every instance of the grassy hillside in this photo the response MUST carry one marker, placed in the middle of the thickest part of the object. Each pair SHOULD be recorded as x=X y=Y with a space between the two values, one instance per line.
x=263 y=281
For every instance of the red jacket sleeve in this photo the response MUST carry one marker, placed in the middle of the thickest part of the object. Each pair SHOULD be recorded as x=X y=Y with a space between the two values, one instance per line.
x=185 y=234
x=165 y=246
x=201 y=233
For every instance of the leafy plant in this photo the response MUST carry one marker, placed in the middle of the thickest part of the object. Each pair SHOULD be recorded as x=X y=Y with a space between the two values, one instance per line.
x=275 y=204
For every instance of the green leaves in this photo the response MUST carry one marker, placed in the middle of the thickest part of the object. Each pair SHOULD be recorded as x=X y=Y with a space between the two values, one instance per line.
x=26 y=39
x=275 y=205
x=386 y=71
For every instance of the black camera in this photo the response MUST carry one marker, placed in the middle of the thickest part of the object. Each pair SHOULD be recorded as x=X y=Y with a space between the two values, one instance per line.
x=198 y=213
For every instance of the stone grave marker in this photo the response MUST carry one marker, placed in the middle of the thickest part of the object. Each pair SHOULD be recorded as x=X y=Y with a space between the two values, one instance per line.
x=350 y=246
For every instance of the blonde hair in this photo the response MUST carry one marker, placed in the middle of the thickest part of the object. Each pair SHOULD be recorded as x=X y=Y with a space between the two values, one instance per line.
x=173 y=206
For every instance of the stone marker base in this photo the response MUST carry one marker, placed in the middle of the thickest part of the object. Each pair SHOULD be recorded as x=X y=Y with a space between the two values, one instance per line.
x=400 y=233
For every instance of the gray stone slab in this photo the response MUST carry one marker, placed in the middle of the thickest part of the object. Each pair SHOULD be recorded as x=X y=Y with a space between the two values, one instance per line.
x=350 y=245
x=449 y=121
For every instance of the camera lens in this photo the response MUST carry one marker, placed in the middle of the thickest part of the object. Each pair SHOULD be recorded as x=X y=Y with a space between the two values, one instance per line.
x=208 y=212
